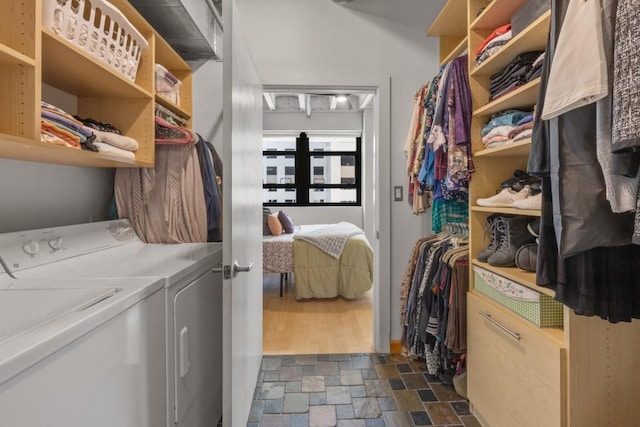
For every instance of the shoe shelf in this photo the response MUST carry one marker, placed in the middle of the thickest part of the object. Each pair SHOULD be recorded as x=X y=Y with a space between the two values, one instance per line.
x=509 y=211
x=513 y=149
x=523 y=97
x=497 y=13
x=534 y=37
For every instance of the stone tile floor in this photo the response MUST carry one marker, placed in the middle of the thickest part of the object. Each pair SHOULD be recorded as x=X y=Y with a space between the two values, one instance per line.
x=353 y=390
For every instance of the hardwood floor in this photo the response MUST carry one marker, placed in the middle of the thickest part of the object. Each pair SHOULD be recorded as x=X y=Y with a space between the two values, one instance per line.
x=322 y=326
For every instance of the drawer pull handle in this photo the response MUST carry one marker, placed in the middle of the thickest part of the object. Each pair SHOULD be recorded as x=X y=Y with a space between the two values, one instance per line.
x=487 y=316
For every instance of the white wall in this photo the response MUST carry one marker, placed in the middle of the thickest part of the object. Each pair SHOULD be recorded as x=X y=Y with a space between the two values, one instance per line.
x=39 y=195
x=316 y=42
x=207 y=102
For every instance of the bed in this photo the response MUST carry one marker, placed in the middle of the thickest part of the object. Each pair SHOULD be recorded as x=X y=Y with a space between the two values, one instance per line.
x=346 y=272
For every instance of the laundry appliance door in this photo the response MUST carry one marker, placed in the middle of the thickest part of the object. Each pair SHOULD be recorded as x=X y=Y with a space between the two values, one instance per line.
x=242 y=228
x=197 y=353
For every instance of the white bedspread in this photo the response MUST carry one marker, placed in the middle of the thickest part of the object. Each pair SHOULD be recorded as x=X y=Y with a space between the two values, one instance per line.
x=332 y=238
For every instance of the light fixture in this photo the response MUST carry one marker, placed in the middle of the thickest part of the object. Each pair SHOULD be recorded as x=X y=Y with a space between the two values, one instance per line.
x=341 y=98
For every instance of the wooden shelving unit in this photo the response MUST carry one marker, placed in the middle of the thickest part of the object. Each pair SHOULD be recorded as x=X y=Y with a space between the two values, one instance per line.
x=495 y=14
x=450 y=27
x=522 y=97
x=514 y=149
x=506 y=211
x=455 y=52
x=549 y=376
x=10 y=56
x=533 y=39
x=31 y=55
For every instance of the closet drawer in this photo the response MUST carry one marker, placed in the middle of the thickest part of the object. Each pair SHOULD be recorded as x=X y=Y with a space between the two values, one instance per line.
x=515 y=372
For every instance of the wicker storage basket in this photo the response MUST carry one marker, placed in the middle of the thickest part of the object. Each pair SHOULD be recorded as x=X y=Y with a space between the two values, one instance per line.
x=100 y=29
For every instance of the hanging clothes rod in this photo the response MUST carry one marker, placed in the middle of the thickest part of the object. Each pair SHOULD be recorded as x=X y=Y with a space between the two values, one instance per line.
x=168 y=115
x=457 y=227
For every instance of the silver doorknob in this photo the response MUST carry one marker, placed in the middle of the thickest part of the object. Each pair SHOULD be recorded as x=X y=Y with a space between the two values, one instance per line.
x=237 y=268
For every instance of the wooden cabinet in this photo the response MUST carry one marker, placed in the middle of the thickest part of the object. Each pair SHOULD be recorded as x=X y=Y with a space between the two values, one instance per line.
x=581 y=375
x=518 y=372
x=31 y=55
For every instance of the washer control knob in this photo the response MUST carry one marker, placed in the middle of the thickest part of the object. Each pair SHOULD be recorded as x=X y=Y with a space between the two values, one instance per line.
x=31 y=247
x=56 y=243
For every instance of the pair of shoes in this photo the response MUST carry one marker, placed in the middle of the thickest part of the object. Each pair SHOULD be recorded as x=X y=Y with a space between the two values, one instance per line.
x=534 y=227
x=527 y=257
x=491 y=226
x=532 y=202
x=521 y=179
x=508 y=234
x=505 y=198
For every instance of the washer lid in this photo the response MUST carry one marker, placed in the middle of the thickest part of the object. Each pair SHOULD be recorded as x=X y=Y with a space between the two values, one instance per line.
x=22 y=310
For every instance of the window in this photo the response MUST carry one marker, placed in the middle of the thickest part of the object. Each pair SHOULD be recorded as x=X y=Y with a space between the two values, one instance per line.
x=290 y=156
x=272 y=173
x=316 y=170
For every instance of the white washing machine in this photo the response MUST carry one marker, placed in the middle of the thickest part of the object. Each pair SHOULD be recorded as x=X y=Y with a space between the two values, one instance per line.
x=81 y=352
x=192 y=298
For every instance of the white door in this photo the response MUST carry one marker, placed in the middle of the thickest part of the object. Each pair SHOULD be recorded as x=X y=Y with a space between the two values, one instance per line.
x=242 y=230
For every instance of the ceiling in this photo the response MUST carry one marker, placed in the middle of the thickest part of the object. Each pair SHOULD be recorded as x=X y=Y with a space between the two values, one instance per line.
x=414 y=15
x=316 y=101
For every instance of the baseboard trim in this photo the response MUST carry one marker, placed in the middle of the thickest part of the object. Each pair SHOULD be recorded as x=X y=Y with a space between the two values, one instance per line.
x=395 y=347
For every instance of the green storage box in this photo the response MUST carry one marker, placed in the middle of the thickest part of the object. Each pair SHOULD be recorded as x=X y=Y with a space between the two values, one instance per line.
x=540 y=309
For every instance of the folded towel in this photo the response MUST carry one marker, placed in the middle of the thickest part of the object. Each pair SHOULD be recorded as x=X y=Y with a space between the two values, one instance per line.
x=110 y=149
x=115 y=140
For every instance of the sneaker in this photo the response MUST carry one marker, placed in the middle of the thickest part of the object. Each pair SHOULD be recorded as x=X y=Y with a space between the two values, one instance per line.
x=505 y=198
x=534 y=227
x=530 y=203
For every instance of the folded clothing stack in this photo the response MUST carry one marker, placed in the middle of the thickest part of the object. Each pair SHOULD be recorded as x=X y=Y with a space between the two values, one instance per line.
x=60 y=128
x=507 y=126
x=517 y=73
x=109 y=139
x=498 y=38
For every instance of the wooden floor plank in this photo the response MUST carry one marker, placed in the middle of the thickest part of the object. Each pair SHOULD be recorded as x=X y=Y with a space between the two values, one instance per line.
x=316 y=326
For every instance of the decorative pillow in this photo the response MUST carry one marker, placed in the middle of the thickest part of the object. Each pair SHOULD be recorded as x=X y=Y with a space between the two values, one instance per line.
x=274 y=224
x=286 y=222
x=265 y=225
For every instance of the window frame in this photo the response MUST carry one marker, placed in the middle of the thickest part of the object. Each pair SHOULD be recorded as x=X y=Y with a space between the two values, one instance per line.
x=303 y=180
